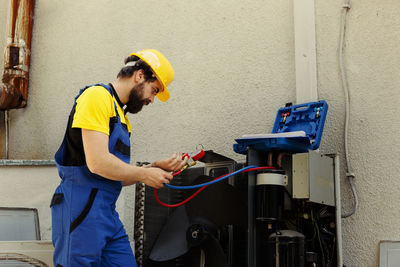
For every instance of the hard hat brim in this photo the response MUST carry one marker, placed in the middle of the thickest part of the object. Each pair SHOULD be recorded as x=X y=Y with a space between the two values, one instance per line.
x=163 y=95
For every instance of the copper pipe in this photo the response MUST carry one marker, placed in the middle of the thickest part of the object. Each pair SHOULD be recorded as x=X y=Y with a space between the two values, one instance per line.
x=15 y=81
x=280 y=157
x=269 y=161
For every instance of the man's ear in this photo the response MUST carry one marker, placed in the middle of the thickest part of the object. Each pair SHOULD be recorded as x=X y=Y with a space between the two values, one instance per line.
x=139 y=76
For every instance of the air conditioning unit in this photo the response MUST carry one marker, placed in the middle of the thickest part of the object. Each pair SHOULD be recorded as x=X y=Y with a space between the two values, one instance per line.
x=34 y=253
x=20 y=244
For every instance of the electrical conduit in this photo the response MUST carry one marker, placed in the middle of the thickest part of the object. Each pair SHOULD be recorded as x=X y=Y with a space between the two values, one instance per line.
x=349 y=174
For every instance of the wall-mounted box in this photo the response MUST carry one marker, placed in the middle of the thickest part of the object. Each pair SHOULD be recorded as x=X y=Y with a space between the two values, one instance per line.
x=313 y=178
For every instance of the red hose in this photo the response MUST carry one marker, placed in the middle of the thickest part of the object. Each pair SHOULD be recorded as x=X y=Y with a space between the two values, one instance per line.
x=201 y=189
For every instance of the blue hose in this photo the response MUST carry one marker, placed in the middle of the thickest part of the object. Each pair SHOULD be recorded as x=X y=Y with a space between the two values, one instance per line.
x=210 y=182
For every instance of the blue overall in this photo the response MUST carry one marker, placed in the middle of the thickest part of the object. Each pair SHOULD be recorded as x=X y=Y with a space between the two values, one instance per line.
x=86 y=229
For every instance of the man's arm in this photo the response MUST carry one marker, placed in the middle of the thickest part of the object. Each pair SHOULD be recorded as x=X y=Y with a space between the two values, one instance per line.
x=100 y=161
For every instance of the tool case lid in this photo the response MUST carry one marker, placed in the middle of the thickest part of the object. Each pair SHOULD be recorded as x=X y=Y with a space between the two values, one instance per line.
x=296 y=129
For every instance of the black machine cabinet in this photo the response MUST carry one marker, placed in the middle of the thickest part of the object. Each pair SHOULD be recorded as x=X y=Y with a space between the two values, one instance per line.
x=210 y=230
x=244 y=221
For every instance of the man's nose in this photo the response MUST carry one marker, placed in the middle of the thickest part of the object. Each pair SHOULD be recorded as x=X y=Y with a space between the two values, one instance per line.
x=152 y=98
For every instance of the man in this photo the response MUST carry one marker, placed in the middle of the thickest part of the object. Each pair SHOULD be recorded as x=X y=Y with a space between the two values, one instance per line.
x=93 y=163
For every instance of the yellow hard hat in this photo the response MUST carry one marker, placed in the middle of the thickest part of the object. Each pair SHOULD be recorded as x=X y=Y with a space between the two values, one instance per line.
x=161 y=68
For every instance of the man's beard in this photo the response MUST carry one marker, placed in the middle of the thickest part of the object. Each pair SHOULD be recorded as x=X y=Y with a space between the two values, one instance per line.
x=136 y=101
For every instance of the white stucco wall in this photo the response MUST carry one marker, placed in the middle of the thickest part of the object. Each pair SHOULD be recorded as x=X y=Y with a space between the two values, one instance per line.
x=234 y=65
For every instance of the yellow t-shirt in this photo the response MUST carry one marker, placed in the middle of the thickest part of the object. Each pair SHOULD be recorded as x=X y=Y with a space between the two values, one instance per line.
x=94 y=108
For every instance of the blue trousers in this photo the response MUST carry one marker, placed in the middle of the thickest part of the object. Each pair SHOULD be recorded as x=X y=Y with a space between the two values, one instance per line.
x=86 y=229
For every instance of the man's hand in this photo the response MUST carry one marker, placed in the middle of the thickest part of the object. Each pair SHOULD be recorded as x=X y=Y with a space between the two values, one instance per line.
x=172 y=164
x=156 y=177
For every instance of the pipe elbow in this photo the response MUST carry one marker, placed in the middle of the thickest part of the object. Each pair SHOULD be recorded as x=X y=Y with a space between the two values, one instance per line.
x=13 y=92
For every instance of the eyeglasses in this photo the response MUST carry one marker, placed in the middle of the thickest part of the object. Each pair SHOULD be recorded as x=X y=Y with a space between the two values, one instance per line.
x=155 y=91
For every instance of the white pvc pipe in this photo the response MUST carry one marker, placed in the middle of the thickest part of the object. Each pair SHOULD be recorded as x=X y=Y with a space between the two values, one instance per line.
x=7 y=131
x=305 y=51
x=338 y=213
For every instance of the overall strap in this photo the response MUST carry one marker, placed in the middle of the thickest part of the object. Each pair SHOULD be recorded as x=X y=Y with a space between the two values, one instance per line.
x=96 y=84
x=109 y=89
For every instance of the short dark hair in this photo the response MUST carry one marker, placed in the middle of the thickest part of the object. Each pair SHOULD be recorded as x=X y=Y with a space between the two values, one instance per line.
x=140 y=65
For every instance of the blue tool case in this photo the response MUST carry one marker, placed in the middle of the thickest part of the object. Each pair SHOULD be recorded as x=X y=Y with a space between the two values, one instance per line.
x=296 y=129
